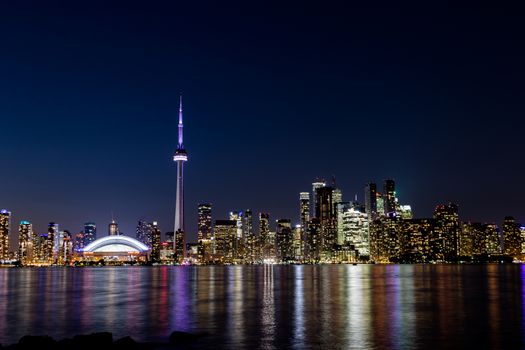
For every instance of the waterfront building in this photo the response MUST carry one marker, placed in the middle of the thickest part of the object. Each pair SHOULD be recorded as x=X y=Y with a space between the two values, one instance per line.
x=313 y=247
x=444 y=240
x=204 y=230
x=180 y=157
x=225 y=235
x=341 y=208
x=325 y=212
x=384 y=239
x=284 y=240
x=298 y=243
x=115 y=249
x=469 y=243
x=492 y=239
x=355 y=230
x=65 y=251
x=415 y=241
x=5 y=229
x=25 y=243
x=304 y=215
x=155 y=241
x=78 y=242
x=267 y=246
x=512 y=239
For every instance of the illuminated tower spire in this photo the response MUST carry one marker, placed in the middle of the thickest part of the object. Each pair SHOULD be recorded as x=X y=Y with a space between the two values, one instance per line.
x=179 y=241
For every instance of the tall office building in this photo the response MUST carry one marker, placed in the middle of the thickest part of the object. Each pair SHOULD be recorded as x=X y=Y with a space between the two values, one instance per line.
x=180 y=157
x=113 y=228
x=304 y=214
x=325 y=212
x=225 y=235
x=284 y=240
x=204 y=228
x=65 y=251
x=371 y=201
x=266 y=247
x=155 y=241
x=492 y=239
x=54 y=234
x=144 y=232
x=90 y=233
x=5 y=227
x=444 y=240
x=25 y=243
x=389 y=193
x=355 y=230
x=318 y=183
x=512 y=240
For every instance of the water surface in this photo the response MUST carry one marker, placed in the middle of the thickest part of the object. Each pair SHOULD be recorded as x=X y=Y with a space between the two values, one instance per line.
x=274 y=307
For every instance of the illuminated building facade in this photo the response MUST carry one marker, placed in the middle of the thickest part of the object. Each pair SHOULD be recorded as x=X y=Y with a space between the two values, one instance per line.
x=267 y=246
x=115 y=248
x=284 y=240
x=25 y=243
x=5 y=228
x=204 y=230
x=90 y=233
x=225 y=236
x=445 y=237
x=304 y=214
x=371 y=201
x=144 y=232
x=355 y=230
x=389 y=196
x=512 y=240
x=314 y=241
x=155 y=242
x=113 y=228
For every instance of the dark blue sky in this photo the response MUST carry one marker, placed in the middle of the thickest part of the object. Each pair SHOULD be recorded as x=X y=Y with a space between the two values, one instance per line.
x=274 y=97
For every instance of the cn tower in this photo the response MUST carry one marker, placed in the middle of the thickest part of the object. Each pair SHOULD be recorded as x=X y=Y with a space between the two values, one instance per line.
x=180 y=157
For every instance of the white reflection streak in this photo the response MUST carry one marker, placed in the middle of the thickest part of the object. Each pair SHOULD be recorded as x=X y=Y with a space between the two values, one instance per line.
x=236 y=298
x=358 y=330
x=299 y=308
x=268 y=311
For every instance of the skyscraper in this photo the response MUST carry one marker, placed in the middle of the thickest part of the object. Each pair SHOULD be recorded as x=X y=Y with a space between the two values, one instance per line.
x=55 y=237
x=25 y=243
x=445 y=236
x=304 y=213
x=371 y=201
x=5 y=226
x=204 y=221
x=113 y=228
x=512 y=237
x=284 y=240
x=225 y=232
x=90 y=233
x=389 y=191
x=155 y=241
x=181 y=156
x=318 y=183
x=144 y=232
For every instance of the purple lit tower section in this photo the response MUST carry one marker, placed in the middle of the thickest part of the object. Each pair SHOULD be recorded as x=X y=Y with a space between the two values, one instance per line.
x=180 y=157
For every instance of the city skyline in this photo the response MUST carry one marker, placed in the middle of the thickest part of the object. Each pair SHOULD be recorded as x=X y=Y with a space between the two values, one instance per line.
x=89 y=106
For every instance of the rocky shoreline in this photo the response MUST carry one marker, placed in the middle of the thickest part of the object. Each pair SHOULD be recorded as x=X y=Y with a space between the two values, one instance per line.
x=102 y=341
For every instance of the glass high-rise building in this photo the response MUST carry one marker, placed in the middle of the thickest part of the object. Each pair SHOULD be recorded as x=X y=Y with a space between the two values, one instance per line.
x=204 y=225
x=371 y=201
x=25 y=243
x=389 y=196
x=90 y=233
x=512 y=240
x=144 y=232
x=284 y=240
x=225 y=236
x=5 y=228
x=155 y=241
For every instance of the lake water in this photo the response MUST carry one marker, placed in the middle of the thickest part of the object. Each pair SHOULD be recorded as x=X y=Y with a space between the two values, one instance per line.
x=274 y=307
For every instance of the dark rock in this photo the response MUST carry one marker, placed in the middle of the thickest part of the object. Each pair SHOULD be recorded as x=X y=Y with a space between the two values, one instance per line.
x=36 y=342
x=126 y=343
x=177 y=338
x=102 y=340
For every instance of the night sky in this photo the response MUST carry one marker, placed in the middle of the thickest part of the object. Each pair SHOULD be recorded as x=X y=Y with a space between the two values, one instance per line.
x=274 y=97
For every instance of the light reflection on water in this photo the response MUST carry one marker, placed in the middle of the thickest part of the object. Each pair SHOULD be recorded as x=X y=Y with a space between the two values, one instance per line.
x=274 y=307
